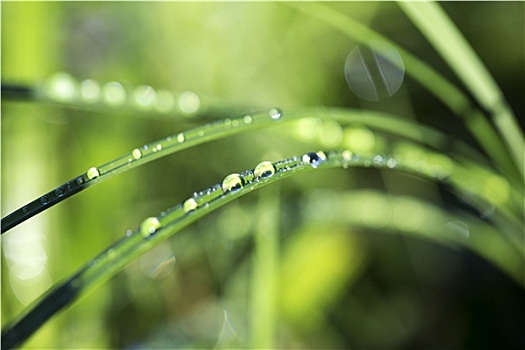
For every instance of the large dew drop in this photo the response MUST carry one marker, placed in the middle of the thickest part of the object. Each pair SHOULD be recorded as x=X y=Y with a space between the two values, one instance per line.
x=136 y=154
x=92 y=173
x=264 y=169
x=114 y=94
x=375 y=71
x=314 y=158
x=189 y=205
x=149 y=226
x=232 y=182
x=275 y=114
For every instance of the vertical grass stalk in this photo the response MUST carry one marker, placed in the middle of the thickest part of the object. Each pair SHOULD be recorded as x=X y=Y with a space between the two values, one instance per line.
x=441 y=32
x=263 y=314
x=444 y=90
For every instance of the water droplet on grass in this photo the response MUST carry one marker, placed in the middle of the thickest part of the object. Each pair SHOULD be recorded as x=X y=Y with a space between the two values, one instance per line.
x=264 y=169
x=90 y=91
x=59 y=192
x=44 y=199
x=92 y=173
x=136 y=153
x=378 y=160
x=62 y=87
x=149 y=226
x=189 y=102
x=248 y=119
x=232 y=182
x=144 y=96
x=275 y=113
x=375 y=71
x=114 y=94
x=314 y=158
x=391 y=163
x=181 y=138
x=189 y=205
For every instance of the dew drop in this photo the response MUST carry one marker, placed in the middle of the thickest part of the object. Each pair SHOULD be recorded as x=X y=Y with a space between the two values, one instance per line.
x=59 y=192
x=157 y=148
x=25 y=210
x=136 y=153
x=248 y=119
x=89 y=91
x=114 y=93
x=149 y=226
x=347 y=155
x=181 y=138
x=189 y=102
x=232 y=182
x=144 y=96
x=275 y=114
x=264 y=169
x=391 y=163
x=189 y=205
x=314 y=158
x=62 y=87
x=44 y=199
x=378 y=160
x=92 y=173
x=375 y=71
x=79 y=180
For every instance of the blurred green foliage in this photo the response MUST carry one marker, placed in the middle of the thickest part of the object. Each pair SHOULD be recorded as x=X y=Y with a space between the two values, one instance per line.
x=339 y=284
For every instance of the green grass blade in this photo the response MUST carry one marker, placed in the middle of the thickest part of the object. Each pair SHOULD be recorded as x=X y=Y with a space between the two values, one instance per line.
x=220 y=129
x=154 y=230
x=427 y=77
x=441 y=32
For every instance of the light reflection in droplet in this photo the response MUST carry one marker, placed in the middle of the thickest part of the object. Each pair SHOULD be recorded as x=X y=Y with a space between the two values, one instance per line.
x=374 y=71
x=90 y=91
x=62 y=87
x=114 y=94
x=189 y=102
x=144 y=96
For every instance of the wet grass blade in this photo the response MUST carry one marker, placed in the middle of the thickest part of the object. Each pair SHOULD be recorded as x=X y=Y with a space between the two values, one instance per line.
x=441 y=32
x=154 y=230
x=220 y=129
x=444 y=90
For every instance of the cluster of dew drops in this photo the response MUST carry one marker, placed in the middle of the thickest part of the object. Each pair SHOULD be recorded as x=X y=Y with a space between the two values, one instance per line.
x=234 y=182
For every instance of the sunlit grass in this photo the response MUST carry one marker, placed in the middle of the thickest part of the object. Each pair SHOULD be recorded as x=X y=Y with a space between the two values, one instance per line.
x=294 y=264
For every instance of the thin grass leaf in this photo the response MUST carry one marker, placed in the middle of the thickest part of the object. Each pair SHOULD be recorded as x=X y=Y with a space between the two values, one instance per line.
x=441 y=32
x=154 y=230
x=431 y=80
x=221 y=129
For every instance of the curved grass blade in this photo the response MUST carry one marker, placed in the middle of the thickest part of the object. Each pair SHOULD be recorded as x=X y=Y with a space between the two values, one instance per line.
x=417 y=218
x=64 y=90
x=441 y=32
x=154 y=230
x=218 y=130
x=427 y=77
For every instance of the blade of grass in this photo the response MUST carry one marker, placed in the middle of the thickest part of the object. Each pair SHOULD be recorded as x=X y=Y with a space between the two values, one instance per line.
x=427 y=77
x=154 y=230
x=263 y=322
x=218 y=130
x=441 y=32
